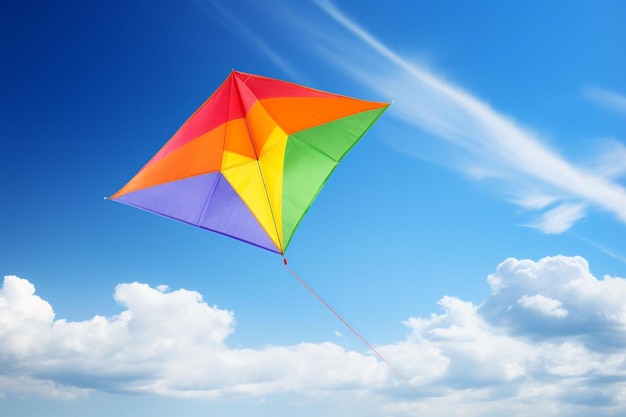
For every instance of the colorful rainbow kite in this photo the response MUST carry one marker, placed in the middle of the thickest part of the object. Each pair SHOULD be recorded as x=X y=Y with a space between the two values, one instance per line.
x=251 y=160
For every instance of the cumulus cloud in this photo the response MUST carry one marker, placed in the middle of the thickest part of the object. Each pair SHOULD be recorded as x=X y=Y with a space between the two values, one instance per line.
x=573 y=303
x=548 y=337
x=168 y=343
x=542 y=304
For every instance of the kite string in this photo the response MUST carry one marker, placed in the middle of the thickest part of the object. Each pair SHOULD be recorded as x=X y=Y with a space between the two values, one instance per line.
x=352 y=329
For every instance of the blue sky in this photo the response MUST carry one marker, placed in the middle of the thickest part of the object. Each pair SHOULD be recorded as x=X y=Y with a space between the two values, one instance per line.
x=475 y=235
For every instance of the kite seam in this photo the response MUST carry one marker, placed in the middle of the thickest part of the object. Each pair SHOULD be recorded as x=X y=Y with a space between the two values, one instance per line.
x=257 y=154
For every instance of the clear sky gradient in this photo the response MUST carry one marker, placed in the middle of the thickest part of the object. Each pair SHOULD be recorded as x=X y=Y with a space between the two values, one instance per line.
x=475 y=236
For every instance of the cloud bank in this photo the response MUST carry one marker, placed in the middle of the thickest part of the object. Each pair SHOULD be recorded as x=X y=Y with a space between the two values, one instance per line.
x=164 y=343
x=549 y=338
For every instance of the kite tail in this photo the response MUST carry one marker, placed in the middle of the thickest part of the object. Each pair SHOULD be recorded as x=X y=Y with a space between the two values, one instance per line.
x=352 y=329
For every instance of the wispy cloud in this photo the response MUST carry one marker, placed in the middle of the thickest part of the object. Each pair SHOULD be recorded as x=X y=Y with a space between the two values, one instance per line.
x=603 y=249
x=606 y=98
x=490 y=142
x=611 y=160
x=216 y=11
x=560 y=218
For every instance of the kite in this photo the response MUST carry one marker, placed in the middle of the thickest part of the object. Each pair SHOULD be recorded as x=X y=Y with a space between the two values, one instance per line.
x=252 y=159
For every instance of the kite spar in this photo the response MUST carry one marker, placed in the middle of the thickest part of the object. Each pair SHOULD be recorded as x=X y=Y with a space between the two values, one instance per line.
x=251 y=160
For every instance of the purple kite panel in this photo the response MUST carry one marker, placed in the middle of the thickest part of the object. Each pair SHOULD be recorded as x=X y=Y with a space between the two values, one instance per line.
x=207 y=201
x=226 y=213
x=181 y=200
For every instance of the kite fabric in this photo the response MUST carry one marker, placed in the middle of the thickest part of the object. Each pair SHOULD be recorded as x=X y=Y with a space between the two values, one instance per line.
x=250 y=161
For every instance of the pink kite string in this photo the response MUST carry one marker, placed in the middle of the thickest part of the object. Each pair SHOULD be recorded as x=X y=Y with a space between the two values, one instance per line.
x=352 y=329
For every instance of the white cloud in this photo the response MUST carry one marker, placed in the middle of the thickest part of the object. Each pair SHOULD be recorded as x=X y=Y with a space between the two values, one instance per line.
x=560 y=218
x=23 y=315
x=611 y=161
x=169 y=343
x=596 y=313
x=543 y=305
x=549 y=338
